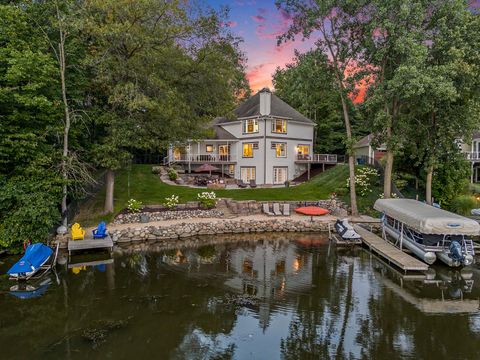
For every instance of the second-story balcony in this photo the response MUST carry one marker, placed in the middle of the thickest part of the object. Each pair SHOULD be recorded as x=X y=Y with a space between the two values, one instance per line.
x=320 y=159
x=473 y=156
x=204 y=158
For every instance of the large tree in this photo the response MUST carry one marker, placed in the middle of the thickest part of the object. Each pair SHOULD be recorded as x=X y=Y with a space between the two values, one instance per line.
x=161 y=73
x=338 y=39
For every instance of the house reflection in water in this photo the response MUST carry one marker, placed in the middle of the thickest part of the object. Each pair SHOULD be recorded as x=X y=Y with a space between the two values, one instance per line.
x=270 y=269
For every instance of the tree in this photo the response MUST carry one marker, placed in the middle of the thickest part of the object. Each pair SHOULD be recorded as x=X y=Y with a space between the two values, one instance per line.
x=339 y=42
x=30 y=185
x=308 y=85
x=160 y=75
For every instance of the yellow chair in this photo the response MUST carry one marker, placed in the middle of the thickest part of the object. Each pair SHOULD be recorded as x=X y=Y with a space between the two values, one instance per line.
x=77 y=232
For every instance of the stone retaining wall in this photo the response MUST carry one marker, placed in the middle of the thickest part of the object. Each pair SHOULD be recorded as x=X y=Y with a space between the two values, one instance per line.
x=168 y=215
x=183 y=230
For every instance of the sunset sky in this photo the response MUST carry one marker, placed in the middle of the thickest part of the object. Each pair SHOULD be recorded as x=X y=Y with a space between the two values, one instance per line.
x=259 y=23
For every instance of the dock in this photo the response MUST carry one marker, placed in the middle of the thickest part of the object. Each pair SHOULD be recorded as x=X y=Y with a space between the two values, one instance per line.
x=90 y=244
x=389 y=252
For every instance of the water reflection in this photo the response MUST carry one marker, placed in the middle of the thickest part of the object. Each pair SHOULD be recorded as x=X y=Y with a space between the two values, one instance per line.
x=264 y=296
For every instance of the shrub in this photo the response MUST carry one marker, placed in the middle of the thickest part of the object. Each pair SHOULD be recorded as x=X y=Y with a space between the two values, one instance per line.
x=171 y=202
x=134 y=205
x=207 y=199
x=364 y=180
x=463 y=204
x=341 y=191
x=156 y=169
x=172 y=174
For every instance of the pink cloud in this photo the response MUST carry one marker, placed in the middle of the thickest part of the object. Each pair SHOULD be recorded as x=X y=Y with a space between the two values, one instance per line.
x=231 y=23
x=259 y=18
x=260 y=76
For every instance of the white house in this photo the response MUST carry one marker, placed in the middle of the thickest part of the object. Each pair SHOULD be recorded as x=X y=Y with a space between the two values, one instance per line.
x=365 y=152
x=471 y=150
x=267 y=141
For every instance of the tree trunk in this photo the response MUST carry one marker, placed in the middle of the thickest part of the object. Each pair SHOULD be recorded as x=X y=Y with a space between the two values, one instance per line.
x=66 y=128
x=351 y=159
x=428 y=185
x=109 y=183
x=387 y=180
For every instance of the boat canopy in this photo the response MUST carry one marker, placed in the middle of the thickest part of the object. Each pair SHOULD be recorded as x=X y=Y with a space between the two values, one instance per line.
x=427 y=219
x=35 y=255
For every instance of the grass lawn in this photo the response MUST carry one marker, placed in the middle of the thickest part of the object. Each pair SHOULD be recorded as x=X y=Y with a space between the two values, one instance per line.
x=140 y=184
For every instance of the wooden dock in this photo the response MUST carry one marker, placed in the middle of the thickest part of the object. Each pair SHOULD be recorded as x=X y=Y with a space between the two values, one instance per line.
x=389 y=252
x=90 y=244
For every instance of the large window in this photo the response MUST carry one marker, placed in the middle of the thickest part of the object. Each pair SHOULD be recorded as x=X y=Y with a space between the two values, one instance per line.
x=250 y=126
x=209 y=148
x=247 y=173
x=280 y=149
x=279 y=126
x=303 y=152
x=280 y=175
x=248 y=149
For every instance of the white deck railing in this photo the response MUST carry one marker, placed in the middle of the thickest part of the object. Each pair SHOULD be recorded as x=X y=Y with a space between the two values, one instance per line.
x=321 y=158
x=473 y=156
x=204 y=158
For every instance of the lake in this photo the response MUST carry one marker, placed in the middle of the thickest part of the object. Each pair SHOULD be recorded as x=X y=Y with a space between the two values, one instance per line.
x=264 y=296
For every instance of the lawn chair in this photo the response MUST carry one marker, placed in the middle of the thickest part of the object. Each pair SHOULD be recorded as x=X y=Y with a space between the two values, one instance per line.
x=101 y=231
x=253 y=184
x=77 y=232
x=266 y=210
x=241 y=184
x=286 y=209
x=276 y=209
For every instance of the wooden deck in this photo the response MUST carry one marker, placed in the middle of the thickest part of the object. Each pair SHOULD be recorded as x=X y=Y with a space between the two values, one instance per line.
x=89 y=244
x=389 y=252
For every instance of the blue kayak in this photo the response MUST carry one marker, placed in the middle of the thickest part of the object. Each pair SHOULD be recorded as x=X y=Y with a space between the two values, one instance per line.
x=35 y=256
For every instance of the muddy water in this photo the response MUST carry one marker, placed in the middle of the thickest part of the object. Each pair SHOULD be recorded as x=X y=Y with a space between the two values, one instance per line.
x=269 y=297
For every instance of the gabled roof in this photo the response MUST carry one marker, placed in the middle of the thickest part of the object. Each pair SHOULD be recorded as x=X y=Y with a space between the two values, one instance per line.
x=365 y=141
x=279 y=108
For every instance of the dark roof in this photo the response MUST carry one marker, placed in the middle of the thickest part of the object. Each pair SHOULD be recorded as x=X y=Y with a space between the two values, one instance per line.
x=365 y=141
x=279 y=108
x=221 y=133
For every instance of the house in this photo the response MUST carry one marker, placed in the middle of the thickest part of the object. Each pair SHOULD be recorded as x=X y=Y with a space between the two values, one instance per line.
x=267 y=141
x=472 y=153
x=366 y=153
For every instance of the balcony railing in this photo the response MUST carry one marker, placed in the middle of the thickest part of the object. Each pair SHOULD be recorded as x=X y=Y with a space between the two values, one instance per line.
x=321 y=158
x=204 y=158
x=473 y=156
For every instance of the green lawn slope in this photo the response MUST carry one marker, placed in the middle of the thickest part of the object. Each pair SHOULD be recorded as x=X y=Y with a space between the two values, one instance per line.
x=139 y=183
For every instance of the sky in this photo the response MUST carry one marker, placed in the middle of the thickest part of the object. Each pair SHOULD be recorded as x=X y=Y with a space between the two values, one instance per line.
x=259 y=23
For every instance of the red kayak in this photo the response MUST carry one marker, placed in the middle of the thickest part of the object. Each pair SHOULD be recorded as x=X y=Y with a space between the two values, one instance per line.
x=312 y=210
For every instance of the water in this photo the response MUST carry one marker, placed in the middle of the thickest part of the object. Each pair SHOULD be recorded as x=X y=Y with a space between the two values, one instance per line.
x=290 y=296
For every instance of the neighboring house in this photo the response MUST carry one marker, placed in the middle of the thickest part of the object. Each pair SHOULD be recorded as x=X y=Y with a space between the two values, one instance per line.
x=472 y=153
x=364 y=151
x=267 y=141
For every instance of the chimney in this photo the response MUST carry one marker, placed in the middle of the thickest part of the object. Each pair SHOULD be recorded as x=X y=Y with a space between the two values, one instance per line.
x=265 y=101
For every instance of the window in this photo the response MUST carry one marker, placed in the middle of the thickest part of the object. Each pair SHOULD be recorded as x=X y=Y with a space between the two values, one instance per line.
x=248 y=149
x=209 y=148
x=231 y=169
x=303 y=152
x=280 y=149
x=250 y=126
x=280 y=175
x=247 y=173
x=279 y=126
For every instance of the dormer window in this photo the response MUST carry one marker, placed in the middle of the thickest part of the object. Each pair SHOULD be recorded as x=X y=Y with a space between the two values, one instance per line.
x=279 y=126
x=250 y=126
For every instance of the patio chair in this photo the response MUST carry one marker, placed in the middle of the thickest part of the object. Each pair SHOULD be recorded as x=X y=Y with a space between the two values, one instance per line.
x=101 y=231
x=266 y=210
x=276 y=209
x=253 y=184
x=241 y=184
x=77 y=232
x=286 y=209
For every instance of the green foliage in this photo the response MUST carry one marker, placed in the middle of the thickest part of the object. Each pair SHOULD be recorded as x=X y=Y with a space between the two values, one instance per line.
x=365 y=179
x=171 y=202
x=134 y=206
x=172 y=174
x=450 y=179
x=309 y=86
x=207 y=199
x=463 y=204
